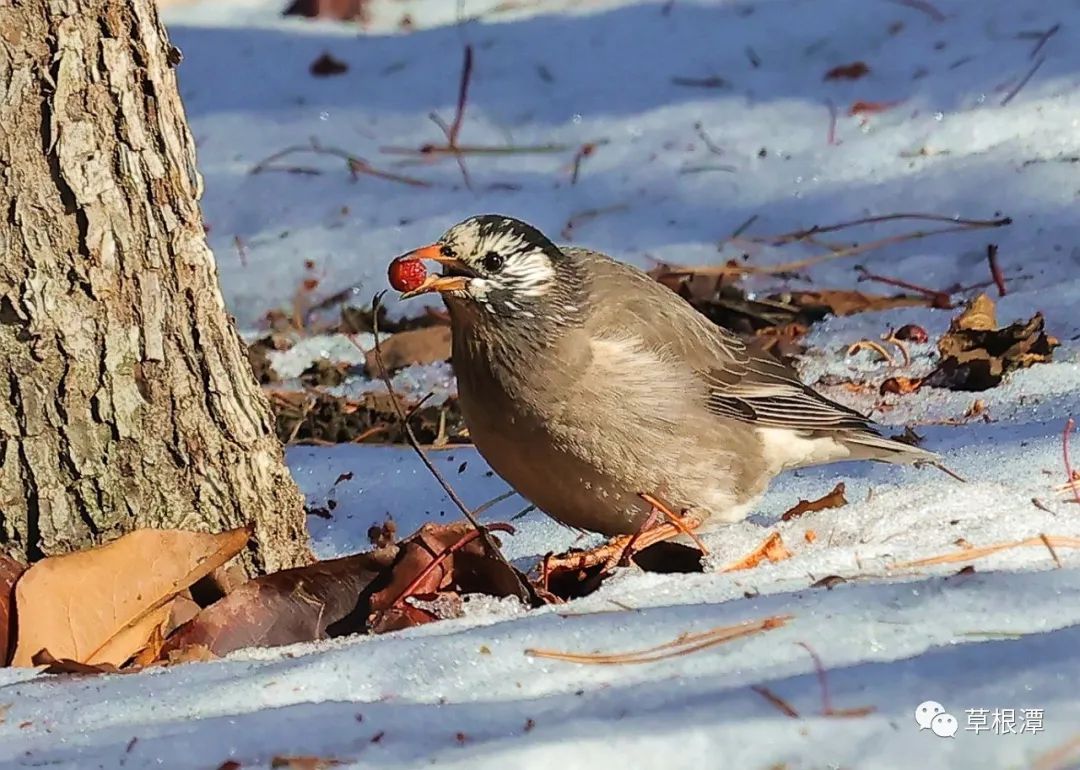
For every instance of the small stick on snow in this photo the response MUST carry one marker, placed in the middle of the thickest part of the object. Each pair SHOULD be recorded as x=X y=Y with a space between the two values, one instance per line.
x=782 y=705
x=995 y=269
x=1050 y=548
x=1043 y=40
x=492 y=548
x=584 y=216
x=439 y=558
x=830 y=138
x=583 y=152
x=940 y=298
x=925 y=7
x=823 y=682
x=1023 y=81
x=355 y=164
x=798 y=235
x=1072 y=481
x=684 y=644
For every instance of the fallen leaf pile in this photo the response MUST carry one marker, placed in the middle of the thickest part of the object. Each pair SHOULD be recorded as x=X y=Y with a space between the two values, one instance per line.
x=976 y=354
x=129 y=603
x=315 y=416
x=775 y=322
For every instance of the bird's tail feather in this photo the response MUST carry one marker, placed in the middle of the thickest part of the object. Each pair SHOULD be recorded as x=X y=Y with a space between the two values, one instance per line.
x=870 y=446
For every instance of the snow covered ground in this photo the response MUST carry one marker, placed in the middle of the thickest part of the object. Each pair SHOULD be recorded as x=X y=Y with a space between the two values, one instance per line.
x=463 y=693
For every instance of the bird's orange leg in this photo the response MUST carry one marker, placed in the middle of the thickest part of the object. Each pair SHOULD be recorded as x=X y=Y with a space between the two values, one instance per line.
x=686 y=524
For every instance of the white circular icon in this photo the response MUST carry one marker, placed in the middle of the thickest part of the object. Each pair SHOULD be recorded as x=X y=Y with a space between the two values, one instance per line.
x=944 y=725
x=925 y=713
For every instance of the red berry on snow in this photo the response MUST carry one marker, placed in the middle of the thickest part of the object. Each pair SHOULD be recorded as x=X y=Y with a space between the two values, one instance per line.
x=406 y=274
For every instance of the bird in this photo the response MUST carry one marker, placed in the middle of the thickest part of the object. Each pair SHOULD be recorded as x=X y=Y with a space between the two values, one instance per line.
x=599 y=394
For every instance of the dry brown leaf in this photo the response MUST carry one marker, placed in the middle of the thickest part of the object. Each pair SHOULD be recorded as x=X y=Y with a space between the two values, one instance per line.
x=976 y=355
x=834 y=499
x=971 y=552
x=10 y=570
x=853 y=71
x=196 y=653
x=979 y=315
x=152 y=650
x=426 y=345
x=286 y=607
x=67 y=666
x=849 y=302
x=901 y=385
x=85 y=606
x=772 y=548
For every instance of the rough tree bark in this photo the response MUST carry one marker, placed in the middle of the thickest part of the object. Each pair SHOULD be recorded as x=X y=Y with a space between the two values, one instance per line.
x=126 y=399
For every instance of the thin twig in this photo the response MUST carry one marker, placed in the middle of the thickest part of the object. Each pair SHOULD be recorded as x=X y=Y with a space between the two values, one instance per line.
x=463 y=95
x=714 y=148
x=1050 y=548
x=995 y=269
x=493 y=501
x=940 y=298
x=1072 y=482
x=877 y=347
x=471 y=149
x=1023 y=81
x=584 y=216
x=799 y=235
x=799 y=264
x=355 y=164
x=925 y=7
x=583 y=152
x=970 y=554
x=489 y=543
x=830 y=137
x=1043 y=38
x=782 y=705
x=823 y=682
x=738 y=231
x=684 y=644
x=439 y=558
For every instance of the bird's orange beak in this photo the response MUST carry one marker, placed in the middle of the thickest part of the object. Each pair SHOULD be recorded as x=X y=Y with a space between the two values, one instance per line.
x=440 y=283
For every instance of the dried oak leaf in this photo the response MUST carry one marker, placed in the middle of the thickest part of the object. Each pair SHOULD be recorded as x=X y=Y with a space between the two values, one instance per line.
x=426 y=345
x=975 y=355
x=771 y=549
x=468 y=569
x=835 y=499
x=341 y=10
x=10 y=570
x=328 y=65
x=849 y=302
x=302 y=604
x=103 y=604
x=870 y=108
x=852 y=71
x=901 y=385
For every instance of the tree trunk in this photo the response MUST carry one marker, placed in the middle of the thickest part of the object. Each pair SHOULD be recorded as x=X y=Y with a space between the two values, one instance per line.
x=126 y=398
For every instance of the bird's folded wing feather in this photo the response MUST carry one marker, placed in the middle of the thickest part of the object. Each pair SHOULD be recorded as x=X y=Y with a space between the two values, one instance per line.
x=744 y=384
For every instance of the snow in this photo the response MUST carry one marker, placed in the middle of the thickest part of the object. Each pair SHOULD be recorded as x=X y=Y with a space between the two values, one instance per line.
x=463 y=693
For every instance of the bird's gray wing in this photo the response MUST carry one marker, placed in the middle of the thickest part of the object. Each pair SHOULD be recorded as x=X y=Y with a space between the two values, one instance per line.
x=743 y=383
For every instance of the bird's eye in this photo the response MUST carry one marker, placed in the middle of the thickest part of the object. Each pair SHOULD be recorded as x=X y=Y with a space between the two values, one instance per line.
x=493 y=260
x=447 y=252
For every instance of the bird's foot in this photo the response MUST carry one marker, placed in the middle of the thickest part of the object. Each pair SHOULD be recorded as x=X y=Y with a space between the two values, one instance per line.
x=620 y=549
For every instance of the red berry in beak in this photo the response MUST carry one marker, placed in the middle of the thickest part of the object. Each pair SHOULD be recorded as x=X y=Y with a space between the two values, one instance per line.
x=406 y=274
